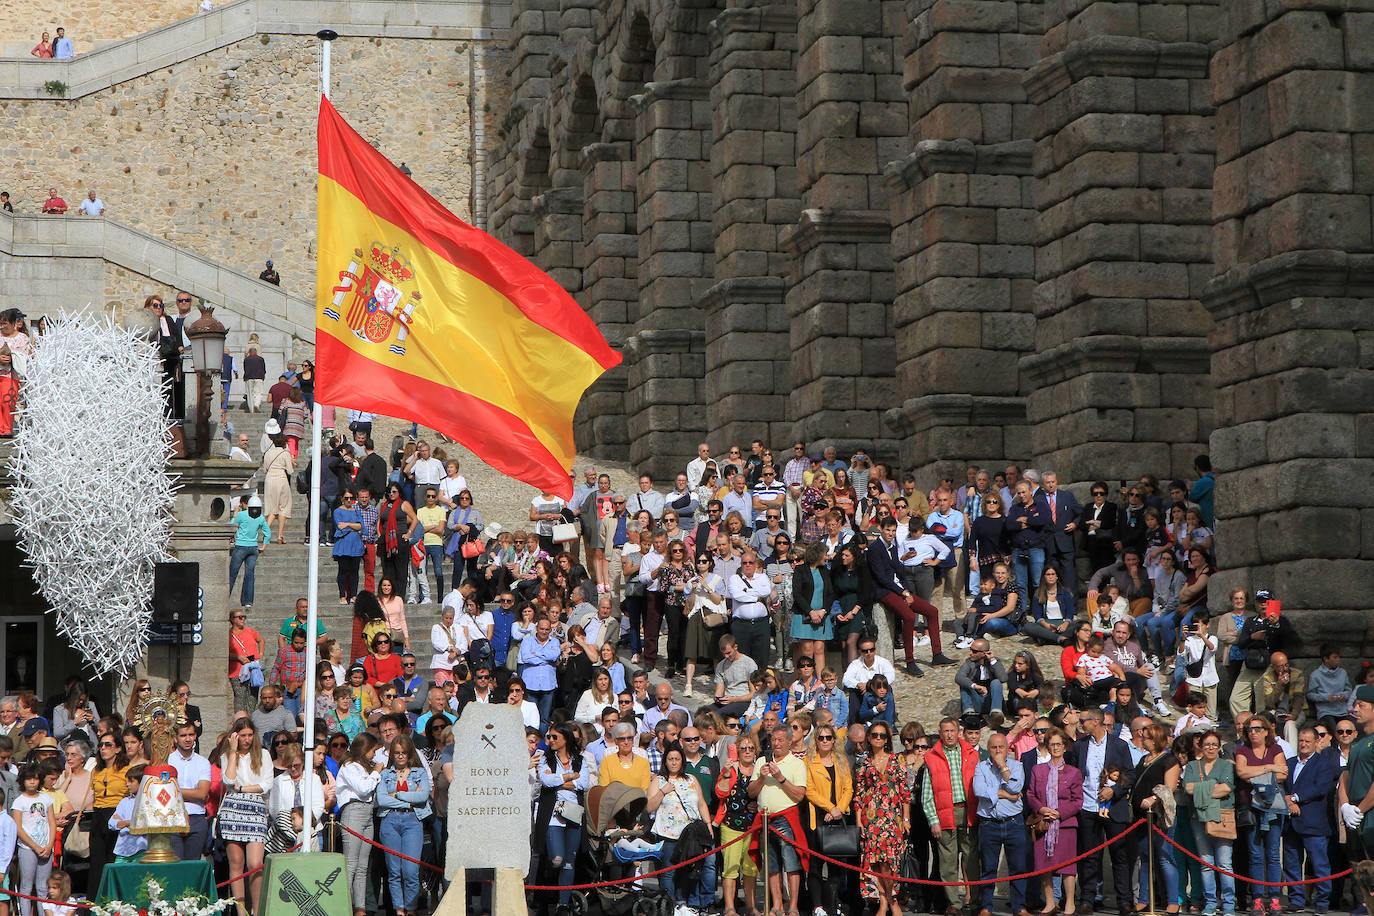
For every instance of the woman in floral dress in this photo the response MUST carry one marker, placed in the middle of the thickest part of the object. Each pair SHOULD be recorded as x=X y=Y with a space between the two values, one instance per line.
x=882 y=802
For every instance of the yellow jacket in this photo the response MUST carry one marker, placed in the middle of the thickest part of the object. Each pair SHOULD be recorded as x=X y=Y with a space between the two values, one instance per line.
x=818 y=788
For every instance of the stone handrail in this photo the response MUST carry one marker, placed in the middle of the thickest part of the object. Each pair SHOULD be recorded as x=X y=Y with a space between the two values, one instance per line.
x=262 y=303
x=31 y=78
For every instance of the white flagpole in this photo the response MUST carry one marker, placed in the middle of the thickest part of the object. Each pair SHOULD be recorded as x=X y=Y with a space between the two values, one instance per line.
x=313 y=588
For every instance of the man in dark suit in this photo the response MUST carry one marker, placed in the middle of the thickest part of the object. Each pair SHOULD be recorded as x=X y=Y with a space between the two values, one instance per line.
x=481 y=689
x=1106 y=809
x=1063 y=511
x=1311 y=777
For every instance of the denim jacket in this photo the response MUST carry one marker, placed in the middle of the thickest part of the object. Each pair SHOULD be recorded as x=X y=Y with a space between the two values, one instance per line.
x=415 y=798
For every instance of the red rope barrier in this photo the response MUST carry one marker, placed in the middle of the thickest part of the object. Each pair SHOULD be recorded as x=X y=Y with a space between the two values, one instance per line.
x=1046 y=870
x=251 y=872
x=400 y=855
x=1231 y=874
x=79 y=906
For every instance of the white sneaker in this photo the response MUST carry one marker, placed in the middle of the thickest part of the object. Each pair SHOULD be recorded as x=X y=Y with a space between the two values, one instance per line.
x=1162 y=708
x=819 y=911
x=684 y=910
x=963 y=642
x=922 y=640
x=687 y=692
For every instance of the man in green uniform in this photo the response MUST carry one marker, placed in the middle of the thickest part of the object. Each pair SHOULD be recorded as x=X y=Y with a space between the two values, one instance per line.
x=1356 y=789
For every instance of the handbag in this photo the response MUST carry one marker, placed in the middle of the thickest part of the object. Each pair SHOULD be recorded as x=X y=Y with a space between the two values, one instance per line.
x=1256 y=659
x=569 y=811
x=564 y=532
x=78 y=840
x=470 y=549
x=1225 y=829
x=838 y=840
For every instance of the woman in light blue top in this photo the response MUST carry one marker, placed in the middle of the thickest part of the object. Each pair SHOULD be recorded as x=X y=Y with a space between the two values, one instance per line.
x=565 y=775
x=402 y=803
x=348 y=547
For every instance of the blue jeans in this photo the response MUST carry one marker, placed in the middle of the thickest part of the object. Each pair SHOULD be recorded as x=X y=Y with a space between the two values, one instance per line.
x=999 y=626
x=560 y=848
x=434 y=553
x=1292 y=869
x=402 y=831
x=993 y=837
x=1158 y=630
x=1215 y=852
x=1164 y=862
x=544 y=700
x=703 y=893
x=972 y=699
x=292 y=701
x=634 y=616
x=1029 y=563
x=246 y=557
x=1264 y=855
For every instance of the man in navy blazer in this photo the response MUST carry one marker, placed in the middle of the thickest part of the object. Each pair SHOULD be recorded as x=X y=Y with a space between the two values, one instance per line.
x=1311 y=777
x=1097 y=752
x=1063 y=512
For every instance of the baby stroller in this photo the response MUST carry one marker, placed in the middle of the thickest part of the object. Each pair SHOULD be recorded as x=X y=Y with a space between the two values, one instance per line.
x=614 y=841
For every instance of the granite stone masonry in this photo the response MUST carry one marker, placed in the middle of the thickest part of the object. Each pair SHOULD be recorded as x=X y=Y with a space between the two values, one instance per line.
x=1095 y=237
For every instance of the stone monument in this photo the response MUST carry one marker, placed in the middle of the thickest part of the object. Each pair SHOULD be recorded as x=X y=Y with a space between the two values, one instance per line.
x=489 y=810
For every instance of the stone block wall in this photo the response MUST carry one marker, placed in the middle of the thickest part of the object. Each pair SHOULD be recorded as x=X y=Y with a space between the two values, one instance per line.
x=851 y=121
x=963 y=215
x=754 y=177
x=1123 y=161
x=1293 y=305
x=165 y=150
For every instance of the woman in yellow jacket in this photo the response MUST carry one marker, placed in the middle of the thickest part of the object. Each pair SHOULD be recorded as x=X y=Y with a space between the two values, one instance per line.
x=109 y=785
x=829 y=797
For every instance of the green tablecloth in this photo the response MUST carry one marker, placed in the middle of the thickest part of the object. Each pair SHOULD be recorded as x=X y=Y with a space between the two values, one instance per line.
x=125 y=881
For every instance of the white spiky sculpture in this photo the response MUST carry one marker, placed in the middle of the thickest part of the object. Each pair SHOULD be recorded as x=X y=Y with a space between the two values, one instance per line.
x=92 y=500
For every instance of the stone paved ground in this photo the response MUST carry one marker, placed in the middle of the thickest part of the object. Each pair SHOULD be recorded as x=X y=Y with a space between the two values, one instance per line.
x=506 y=500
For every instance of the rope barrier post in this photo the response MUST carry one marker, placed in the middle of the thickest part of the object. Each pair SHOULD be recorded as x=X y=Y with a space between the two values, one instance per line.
x=763 y=842
x=1150 y=849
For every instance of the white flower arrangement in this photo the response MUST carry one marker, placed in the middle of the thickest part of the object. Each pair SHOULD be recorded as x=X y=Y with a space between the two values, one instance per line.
x=195 y=905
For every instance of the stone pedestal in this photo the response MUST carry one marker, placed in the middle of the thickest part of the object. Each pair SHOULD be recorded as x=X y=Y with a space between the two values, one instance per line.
x=1123 y=159
x=202 y=534
x=1293 y=302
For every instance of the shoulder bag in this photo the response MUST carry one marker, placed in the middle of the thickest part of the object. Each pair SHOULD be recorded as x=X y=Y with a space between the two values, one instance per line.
x=1225 y=829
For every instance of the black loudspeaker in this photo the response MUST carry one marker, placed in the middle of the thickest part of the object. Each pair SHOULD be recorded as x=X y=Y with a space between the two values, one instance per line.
x=175 y=588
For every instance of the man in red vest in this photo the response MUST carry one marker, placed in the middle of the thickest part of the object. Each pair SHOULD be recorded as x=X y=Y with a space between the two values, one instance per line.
x=951 y=809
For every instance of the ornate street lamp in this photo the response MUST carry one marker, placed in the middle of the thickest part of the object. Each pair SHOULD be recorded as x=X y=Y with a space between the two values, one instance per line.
x=207 y=355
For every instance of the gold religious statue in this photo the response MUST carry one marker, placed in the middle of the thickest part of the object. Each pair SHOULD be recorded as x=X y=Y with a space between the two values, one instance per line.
x=159 y=810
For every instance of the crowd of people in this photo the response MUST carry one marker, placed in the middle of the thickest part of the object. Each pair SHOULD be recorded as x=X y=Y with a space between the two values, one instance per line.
x=763 y=586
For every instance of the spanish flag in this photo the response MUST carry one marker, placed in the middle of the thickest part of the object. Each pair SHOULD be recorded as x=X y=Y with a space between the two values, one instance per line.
x=423 y=317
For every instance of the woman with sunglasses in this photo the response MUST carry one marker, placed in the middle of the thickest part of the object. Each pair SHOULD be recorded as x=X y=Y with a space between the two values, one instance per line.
x=674 y=584
x=1343 y=735
x=1261 y=769
x=882 y=807
x=829 y=801
x=738 y=813
x=1158 y=768
x=707 y=597
x=382 y=666
x=141 y=693
x=396 y=525
x=991 y=544
x=109 y=785
x=565 y=775
x=348 y=546
x=675 y=799
x=1216 y=778
x=921 y=843
x=464 y=527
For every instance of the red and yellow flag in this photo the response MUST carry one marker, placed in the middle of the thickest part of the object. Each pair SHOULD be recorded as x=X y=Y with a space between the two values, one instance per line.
x=423 y=317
